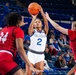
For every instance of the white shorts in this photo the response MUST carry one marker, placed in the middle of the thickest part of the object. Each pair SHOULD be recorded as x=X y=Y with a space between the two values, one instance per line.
x=75 y=73
x=35 y=58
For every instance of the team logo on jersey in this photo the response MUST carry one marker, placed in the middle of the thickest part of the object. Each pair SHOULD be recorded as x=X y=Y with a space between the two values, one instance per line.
x=3 y=36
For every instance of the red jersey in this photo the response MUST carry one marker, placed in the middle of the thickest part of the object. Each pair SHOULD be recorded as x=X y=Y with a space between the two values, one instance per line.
x=72 y=36
x=8 y=36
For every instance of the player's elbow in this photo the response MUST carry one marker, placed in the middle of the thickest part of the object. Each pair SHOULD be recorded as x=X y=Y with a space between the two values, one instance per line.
x=20 y=48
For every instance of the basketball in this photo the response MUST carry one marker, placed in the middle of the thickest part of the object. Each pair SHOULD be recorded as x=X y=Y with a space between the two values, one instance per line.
x=33 y=8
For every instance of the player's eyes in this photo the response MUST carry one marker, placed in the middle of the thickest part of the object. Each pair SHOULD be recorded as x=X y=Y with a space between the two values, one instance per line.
x=38 y=21
x=35 y=22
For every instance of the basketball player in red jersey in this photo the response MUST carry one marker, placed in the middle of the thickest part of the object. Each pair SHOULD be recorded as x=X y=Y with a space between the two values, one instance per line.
x=72 y=35
x=11 y=41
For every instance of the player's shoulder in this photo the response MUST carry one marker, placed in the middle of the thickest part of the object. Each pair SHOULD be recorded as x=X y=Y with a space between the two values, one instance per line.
x=71 y=31
x=18 y=29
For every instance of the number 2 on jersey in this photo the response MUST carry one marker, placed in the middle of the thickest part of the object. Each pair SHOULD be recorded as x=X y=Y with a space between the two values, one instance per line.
x=39 y=40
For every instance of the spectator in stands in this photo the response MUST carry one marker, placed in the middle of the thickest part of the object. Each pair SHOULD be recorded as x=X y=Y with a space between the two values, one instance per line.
x=69 y=49
x=60 y=62
x=51 y=31
x=52 y=38
x=6 y=9
x=70 y=64
x=63 y=43
x=52 y=50
x=54 y=42
x=56 y=46
x=48 y=57
x=72 y=59
x=67 y=56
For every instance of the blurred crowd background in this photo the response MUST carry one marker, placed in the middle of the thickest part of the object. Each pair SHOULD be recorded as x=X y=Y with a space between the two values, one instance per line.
x=58 y=54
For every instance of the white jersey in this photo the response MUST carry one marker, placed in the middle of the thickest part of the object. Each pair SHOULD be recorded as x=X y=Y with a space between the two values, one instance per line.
x=38 y=41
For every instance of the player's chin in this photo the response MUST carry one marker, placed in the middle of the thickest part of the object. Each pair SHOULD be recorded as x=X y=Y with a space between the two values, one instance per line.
x=39 y=27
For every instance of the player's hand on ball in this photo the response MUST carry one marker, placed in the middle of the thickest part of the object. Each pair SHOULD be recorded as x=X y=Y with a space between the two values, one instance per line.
x=34 y=16
x=41 y=9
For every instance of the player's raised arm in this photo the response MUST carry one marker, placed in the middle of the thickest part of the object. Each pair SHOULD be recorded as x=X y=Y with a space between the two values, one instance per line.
x=56 y=26
x=45 y=20
x=31 y=27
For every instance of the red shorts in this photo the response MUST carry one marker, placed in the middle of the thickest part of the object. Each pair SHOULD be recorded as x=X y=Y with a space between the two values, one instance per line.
x=7 y=64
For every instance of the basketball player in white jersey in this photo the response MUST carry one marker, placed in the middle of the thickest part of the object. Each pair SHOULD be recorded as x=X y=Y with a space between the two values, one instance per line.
x=38 y=39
